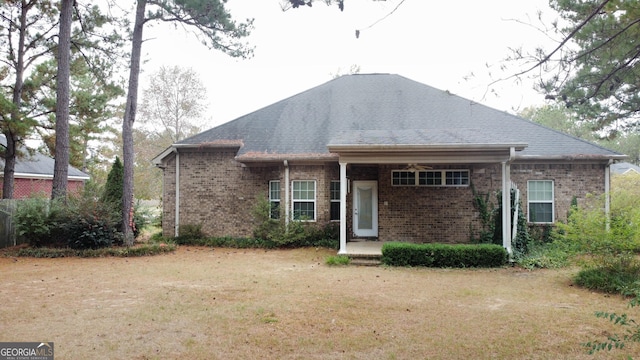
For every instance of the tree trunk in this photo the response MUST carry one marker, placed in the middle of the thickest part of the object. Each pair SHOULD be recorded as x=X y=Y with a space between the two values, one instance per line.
x=61 y=166
x=9 y=166
x=10 y=153
x=127 y=125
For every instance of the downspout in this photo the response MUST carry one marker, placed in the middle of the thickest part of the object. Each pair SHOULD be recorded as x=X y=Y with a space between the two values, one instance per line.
x=177 y=207
x=506 y=202
x=286 y=192
x=607 y=193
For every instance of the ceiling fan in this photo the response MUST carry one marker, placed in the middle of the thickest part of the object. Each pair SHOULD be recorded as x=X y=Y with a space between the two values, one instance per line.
x=417 y=167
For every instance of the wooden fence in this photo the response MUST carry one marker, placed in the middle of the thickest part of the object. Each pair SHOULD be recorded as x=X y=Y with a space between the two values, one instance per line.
x=7 y=230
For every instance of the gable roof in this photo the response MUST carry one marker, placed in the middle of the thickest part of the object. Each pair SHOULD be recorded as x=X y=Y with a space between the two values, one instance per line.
x=351 y=108
x=625 y=168
x=38 y=165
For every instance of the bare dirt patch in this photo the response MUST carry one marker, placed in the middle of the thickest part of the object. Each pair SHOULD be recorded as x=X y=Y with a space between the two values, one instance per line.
x=204 y=303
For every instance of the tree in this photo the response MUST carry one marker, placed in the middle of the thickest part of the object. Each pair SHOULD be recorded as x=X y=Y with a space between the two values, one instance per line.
x=213 y=24
x=93 y=103
x=27 y=32
x=558 y=117
x=112 y=194
x=61 y=164
x=594 y=69
x=600 y=79
x=174 y=100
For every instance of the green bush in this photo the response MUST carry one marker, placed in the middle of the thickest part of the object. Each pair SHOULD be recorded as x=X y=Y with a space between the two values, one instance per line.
x=35 y=220
x=613 y=274
x=228 y=242
x=140 y=250
x=443 y=255
x=545 y=256
x=81 y=222
x=191 y=231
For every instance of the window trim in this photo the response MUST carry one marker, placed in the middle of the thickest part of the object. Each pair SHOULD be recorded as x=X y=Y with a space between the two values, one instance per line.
x=314 y=200
x=332 y=200
x=273 y=200
x=552 y=201
x=443 y=177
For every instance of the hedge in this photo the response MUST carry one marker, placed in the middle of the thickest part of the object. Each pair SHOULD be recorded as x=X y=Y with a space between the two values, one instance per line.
x=443 y=255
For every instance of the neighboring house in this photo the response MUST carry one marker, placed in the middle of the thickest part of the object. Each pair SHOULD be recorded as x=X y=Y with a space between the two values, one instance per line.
x=625 y=168
x=33 y=175
x=388 y=158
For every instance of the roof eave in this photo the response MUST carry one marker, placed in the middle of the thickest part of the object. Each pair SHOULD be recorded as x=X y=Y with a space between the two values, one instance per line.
x=271 y=158
x=222 y=144
x=360 y=148
x=570 y=157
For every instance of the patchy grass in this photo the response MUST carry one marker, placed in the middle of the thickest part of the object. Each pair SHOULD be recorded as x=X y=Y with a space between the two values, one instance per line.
x=212 y=303
x=336 y=260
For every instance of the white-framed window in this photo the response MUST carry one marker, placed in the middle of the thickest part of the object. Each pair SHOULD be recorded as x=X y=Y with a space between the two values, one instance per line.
x=430 y=178
x=303 y=200
x=274 y=199
x=399 y=177
x=334 y=199
x=540 y=201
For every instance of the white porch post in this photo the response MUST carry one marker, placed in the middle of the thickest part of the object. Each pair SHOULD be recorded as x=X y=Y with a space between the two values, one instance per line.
x=343 y=208
x=506 y=206
x=607 y=194
x=176 y=226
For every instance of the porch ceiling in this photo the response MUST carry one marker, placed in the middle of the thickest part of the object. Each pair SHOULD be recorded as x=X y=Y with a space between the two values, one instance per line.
x=423 y=146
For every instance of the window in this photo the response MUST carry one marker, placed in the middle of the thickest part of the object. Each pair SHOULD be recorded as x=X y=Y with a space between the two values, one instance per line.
x=540 y=201
x=274 y=199
x=430 y=178
x=457 y=177
x=334 y=193
x=403 y=177
x=304 y=200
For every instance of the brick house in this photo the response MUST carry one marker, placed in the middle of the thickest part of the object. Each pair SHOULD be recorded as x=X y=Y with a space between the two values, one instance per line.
x=33 y=175
x=388 y=158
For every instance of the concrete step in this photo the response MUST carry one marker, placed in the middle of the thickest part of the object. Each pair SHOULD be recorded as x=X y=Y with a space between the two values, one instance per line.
x=365 y=260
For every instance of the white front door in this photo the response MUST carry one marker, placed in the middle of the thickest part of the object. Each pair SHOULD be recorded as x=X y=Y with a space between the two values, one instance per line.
x=365 y=208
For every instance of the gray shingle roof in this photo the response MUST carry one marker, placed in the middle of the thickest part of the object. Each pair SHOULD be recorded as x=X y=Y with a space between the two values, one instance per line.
x=37 y=164
x=307 y=122
x=624 y=168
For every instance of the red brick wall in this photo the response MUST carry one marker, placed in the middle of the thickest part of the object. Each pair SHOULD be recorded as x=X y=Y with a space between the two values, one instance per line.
x=24 y=188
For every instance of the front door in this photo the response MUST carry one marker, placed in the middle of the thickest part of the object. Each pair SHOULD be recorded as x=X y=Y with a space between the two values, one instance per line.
x=365 y=208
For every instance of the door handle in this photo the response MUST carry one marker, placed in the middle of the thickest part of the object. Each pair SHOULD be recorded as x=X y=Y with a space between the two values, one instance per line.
x=355 y=211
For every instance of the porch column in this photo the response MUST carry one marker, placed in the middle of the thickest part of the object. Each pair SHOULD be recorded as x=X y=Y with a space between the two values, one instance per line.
x=506 y=206
x=343 y=208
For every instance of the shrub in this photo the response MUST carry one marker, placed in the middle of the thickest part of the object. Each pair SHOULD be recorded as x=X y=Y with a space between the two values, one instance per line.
x=443 y=255
x=229 y=242
x=544 y=255
x=295 y=233
x=613 y=274
x=35 y=220
x=190 y=231
x=81 y=222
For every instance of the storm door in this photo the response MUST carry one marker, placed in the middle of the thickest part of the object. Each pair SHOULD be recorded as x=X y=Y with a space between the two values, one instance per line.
x=365 y=208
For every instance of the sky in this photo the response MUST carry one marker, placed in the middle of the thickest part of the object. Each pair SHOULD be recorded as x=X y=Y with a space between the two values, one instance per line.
x=450 y=45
